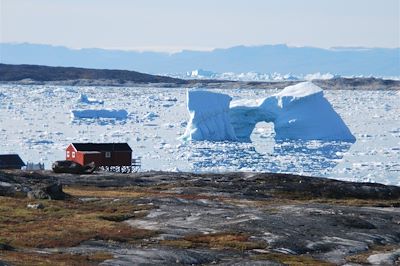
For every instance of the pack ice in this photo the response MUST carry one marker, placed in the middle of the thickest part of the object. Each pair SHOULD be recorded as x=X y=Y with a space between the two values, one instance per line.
x=298 y=112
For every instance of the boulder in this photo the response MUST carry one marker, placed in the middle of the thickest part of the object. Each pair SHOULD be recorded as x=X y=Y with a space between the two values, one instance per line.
x=71 y=167
x=50 y=191
x=6 y=247
x=34 y=206
x=6 y=189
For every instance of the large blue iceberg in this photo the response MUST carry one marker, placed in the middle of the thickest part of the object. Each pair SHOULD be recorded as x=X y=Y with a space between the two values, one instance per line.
x=298 y=112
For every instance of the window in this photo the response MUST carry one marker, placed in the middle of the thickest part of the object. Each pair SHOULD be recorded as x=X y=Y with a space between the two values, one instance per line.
x=73 y=154
x=67 y=154
x=108 y=154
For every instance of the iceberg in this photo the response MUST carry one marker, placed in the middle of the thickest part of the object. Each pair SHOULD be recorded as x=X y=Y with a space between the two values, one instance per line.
x=319 y=75
x=200 y=73
x=86 y=100
x=99 y=113
x=298 y=112
x=209 y=117
x=150 y=116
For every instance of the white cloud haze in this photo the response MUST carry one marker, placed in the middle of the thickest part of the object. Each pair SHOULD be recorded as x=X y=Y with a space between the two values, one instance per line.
x=200 y=25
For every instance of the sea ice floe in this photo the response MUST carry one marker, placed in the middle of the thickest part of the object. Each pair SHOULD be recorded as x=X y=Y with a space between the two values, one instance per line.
x=39 y=142
x=168 y=104
x=99 y=113
x=150 y=116
x=170 y=99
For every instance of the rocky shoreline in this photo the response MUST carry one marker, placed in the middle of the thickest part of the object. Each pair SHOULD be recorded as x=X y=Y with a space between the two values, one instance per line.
x=201 y=219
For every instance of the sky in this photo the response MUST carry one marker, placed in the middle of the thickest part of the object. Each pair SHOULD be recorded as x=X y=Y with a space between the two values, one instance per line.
x=173 y=25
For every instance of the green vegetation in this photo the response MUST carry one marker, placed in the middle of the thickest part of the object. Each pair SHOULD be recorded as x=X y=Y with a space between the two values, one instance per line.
x=223 y=240
x=292 y=260
x=40 y=259
x=64 y=224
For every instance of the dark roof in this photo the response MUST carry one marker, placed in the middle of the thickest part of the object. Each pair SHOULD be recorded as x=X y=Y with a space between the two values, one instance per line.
x=102 y=146
x=11 y=160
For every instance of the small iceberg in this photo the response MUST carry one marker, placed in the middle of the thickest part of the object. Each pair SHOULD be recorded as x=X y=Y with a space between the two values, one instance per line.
x=86 y=100
x=99 y=113
x=151 y=116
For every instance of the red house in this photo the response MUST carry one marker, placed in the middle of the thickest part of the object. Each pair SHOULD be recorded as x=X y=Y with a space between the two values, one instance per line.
x=105 y=155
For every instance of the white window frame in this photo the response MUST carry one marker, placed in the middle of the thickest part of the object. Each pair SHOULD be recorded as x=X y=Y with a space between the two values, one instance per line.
x=73 y=154
x=108 y=154
x=68 y=154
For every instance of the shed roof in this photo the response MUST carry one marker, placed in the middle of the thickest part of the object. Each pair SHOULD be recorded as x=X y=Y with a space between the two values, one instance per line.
x=8 y=160
x=102 y=146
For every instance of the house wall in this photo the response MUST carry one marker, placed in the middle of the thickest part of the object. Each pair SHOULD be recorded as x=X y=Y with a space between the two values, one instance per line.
x=79 y=158
x=69 y=152
x=9 y=166
x=117 y=158
x=120 y=158
x=92 y=157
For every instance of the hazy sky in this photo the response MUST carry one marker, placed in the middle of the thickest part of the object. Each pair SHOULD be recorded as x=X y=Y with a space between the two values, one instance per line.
x=171 y=25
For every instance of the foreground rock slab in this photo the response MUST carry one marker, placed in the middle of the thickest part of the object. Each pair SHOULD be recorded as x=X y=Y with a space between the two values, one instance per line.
x=237 y=218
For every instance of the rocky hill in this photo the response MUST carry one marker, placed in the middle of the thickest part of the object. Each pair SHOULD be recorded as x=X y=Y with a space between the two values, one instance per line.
x=47 y=73
x=161 y=218
x=71 y=76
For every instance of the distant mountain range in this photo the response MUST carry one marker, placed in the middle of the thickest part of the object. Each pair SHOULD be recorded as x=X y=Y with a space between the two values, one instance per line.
x=262 y=59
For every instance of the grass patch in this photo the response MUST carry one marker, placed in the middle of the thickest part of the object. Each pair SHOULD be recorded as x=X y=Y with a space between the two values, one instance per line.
x=298 y=197
x=134 y=192
x=292 y=260
x=36 y=259
x=358 y=202
x=237 y=241
x=278 y=201
x=178 y=243
x=67 y=223
x=103 y=192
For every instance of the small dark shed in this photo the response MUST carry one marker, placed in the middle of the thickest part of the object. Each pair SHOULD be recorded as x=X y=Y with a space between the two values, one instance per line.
x=11 y=161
